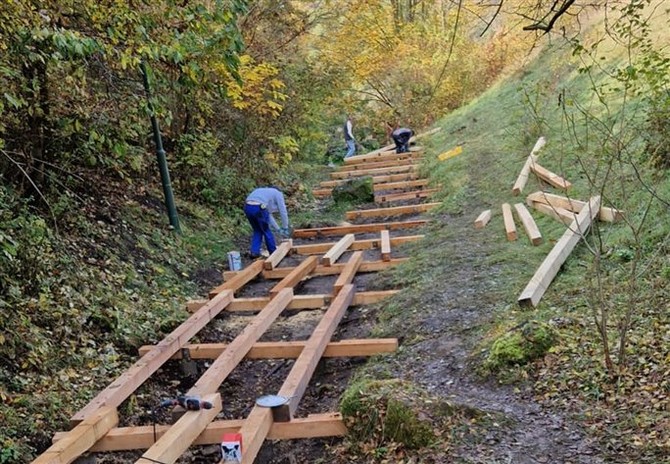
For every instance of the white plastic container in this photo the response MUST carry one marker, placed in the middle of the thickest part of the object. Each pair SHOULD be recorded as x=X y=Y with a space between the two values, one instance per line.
x=234 y=261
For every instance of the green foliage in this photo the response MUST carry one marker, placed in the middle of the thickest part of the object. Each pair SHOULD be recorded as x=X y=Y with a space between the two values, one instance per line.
x=521 y=345
x=354 y=191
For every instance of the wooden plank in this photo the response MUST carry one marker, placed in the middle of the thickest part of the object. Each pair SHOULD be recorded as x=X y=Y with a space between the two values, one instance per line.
x=258 y=423
x=392 y=211
x=296 y=275
x=81 y=438
x=545 y=274
x=483 y=219
x=373 y=172
x=357 y=229
x=142 y=437
x=382 y=156
x=508 y=219
x=214 y=376
x=126 y=384
x=349 y=271
x=606 y=214
x=336 y=250
x=366 y=244
x=386 y=245
x=528 y=224
x=375 y=179
x=337 y=268
x=549 y=177
x=280 y=253
x=322 y=192
x=364 y=298
x=241 y=279
x=291 y=349
x=558 y=213
x=177 y=439
x=525 y=170
x=383 y=186
x=378 y=164
x=380 y=151
x=405 y=195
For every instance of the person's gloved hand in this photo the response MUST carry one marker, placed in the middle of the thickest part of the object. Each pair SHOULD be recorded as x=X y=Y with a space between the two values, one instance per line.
x=284 y=232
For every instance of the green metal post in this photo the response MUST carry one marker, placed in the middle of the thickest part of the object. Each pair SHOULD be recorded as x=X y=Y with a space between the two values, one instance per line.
x=160 y=155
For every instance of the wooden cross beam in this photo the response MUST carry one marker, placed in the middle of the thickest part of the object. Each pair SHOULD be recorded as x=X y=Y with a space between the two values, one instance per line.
x=383 y=186
x=373 y=172
x=525 y=170
x=376 y=179
x=392 y=211
x=606 y=214
x=549 y=177
x=295 y=275
x=280 y=253
x=242 y=278
x=318 y=248
x=349 y=271
x=356 y=229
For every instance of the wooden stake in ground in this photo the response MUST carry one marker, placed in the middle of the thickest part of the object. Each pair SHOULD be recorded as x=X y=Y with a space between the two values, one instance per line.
x=386 y=245
x=528 y=224
x=540 y=281
x=483 y=219
x=525 y=170
x=508 y=219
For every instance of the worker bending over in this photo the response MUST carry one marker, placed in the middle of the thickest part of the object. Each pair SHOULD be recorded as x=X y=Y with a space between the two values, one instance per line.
x=401 y=138
x=259 y=206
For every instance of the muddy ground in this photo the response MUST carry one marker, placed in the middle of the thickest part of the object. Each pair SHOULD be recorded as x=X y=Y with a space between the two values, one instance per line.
x=450 y=315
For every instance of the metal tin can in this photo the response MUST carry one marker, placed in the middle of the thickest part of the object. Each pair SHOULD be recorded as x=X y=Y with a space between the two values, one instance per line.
x=234 y=261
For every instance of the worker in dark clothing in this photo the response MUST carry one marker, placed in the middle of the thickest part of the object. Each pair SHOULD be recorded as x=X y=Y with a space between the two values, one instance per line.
x=401 y=138
x=258 y=208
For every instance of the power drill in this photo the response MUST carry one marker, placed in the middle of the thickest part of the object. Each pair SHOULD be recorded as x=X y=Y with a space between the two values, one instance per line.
x=190 y=403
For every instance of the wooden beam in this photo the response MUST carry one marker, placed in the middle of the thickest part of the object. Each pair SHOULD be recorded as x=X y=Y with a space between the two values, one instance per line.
x=381 y=151
x=606 y=214
x=257 y=425
x=81 y=438
x=322 y=192
x=291 y=349
x=364 y=298
x=508 y=219
x=295 y=275
x=382 y=156
x=549 y=177
x=280 y=253
x=386 y=245
x=126 y=384
x=367 y=244
x=378 y=164
x=545 y=274
x=356 y=229
x=392 y=211
x=337 y=268
x=142 y=437
x=217 y=372
x=525 y=170
x=405 y=195
x=375 y=179
x=528 y=224
x=483 y=219
x=383 y=186
x=558 y=213
x=348 y=272
x=181 y=435
x=242 y=278
x=336 y=250
x=373 y=172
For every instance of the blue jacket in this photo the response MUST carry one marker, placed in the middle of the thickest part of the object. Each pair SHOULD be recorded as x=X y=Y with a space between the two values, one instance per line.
x=273 y=200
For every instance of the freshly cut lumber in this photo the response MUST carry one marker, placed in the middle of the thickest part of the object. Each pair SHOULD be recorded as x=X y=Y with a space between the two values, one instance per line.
x=606 y=214
x=257 y=425
x=558 y=213
x=322 y=192
x=483 y=219
x=292 y=349
x=280 y=253
x=382 y=156
x=177 y=439
x=549 y=177
x=545 y=274
x=377 y=164
x=349 y=271
x=376 y=179
x=366 y=266
x=380 y=151
x=392 y=211
x=405 y=195
x=366 y=244
x=317 y=301
x=142 y=437
x=81 y=438
x=508 y=220
x=372 y=172
x=126 y=384
x=457 y=150
x=217 y=372
x=383 y=186
x=296 y=275
x=242 y=278
x=336 y=250
x=528 y=224
x=356 y=229
x=525 y=170
x=386 y=245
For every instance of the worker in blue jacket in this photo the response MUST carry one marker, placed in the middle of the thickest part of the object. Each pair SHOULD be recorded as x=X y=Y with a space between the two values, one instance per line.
x=258 y=207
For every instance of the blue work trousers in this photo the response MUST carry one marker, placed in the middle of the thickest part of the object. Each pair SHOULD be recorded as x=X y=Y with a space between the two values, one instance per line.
x=259 y=218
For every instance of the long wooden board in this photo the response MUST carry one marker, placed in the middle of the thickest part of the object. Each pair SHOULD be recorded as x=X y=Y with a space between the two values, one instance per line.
x=366 y=266
x=292 y=349
x=549 y=177
x=348 y=272
x=558 y=213
x=280 y=253
x=373 y=172
x=357 y=229
x=528 y=224
x=376 y=179
x=337 y=250
x=384 y=186
x=538 y=284
x=366 y=244
x=142 y=437
x=243 y=277
x=521 y=180
x=377 y=164
x=392 y=211
x=294 y=277
x=383 y=156
x=405 y=195
x=385 y=245
x=119 y=390
x=508 y=220
x=606 y=214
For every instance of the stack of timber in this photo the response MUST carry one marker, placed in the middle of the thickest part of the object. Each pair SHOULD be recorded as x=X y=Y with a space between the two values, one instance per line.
x=96 y=426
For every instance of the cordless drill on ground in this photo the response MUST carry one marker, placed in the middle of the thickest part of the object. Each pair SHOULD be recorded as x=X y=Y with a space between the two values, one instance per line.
x=190 y=403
